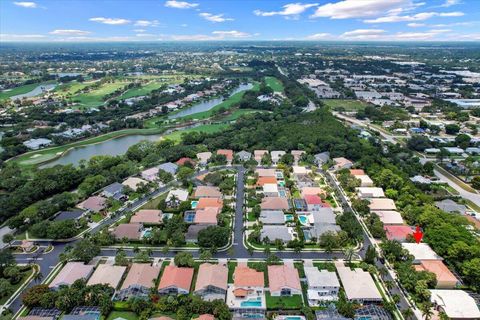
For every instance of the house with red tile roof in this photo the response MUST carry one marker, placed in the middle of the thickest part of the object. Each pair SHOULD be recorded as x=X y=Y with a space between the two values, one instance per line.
x=209 y=202
x=283 y=280
x=342 y=163
x=147 y=216
x=266 y=180
x=211 y=281
x=248 y=285
x=140 y=279
x=399 y=233
x=314 y=202
x=175 y=280
x=208 y=215
x=71 y=272
x=184 y=160
x=445 y=278
x=207 y=192
x=228 y=153
x=312 y=190
x=258 y=155
x=94 y=204
x=130 y=231
x=357 y=172
x=274 y=203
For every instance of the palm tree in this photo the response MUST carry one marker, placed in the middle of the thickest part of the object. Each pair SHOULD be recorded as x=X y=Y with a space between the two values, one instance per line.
x=426 y=309
x=38 y=277
x=349 y=251
x=407 y=313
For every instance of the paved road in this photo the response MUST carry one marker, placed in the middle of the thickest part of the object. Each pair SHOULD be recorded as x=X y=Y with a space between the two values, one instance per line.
x=474 y=197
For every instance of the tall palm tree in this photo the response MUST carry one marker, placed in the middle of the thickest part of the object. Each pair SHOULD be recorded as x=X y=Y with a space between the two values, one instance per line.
x=407 y=313
x=349 y=251
x=38 y=277
x=426 y=309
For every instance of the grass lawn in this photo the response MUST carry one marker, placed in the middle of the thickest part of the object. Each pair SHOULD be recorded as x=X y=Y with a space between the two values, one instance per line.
x=153 y=204
x=238 y=113
x=293 y=302
x=96 y=217
x=251 y=217
x=325 y=266
x=21 y=90
x=25 y=274
x=94 y=98
x=207 y=128
x=299 y=267
x=141 y=91
x=231 y=268
x=122 y=314
x=348 y=105
x=274 y=83
x=71 y=88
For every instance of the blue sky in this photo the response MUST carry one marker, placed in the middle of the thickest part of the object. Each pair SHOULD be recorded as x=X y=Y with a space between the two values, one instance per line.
x=203 y=20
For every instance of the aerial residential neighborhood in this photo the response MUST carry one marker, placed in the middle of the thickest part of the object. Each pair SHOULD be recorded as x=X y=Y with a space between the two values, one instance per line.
x=219 y=160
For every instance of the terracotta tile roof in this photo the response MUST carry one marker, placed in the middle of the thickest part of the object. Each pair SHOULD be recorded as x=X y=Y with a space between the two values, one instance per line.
x=127 y=230
x=227 y=153
x=212 y=275
x=442 y=273
x=209 y=202
x=274 y=203
x=147 y=216
x=247 y=277
x=142 y=274
x=313 y=199
x=312 y=190
x=205 y=317
x=397 y=232
x=265 y=172
x=266 y=180
x=357 y=172
x=184 y=160
x=207 y=215
x=94 y=204
x=208 y=192
x=71 y=272
x=176 y=277
x=283 y=276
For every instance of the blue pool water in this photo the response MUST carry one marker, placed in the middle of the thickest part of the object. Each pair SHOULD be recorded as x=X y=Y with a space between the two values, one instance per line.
x=293 y=318
x=194 y=204
x=282 y=193
x=189 y=216
x=303 y=220
x=252 y=303
x=288 y=217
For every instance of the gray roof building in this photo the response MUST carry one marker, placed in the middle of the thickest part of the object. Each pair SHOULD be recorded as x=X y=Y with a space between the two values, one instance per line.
x=320 y=228
x=324 y=215
x=244 y=155
x=321 y=158
x=451 y=206
x=276 y=232
x=169 y=167
x=272 y=217
x=67 y=215
x=114 y=190
x=192 y=232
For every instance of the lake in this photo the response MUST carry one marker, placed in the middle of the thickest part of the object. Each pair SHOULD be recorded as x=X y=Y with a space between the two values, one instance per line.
x=113 y=147
x=209 y=104
x=35 y=92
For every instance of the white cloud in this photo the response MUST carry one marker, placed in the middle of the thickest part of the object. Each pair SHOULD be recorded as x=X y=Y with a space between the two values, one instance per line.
x=290 y=9
x=358 y=8
x=416 y=17
x=21 y=37
x=111 y=21
x=184 y=25
x=146 y=35
x=416 y=25
x=417 y=36
x=69 y=32
x=180 y=4
x=214 y=36
x=232 y=34
x=26 y=4
x=449 y=3
x=139 y=30
x=147 y=23
x=363 y=34
x=214 y=17
x=320 y=36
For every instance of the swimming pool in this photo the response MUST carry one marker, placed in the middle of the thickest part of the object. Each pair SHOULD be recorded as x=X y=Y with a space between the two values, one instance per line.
x=189 y=216
x=289 y=217
x=147 y=233
x=252 y=302
x=194 y=204
x=303 y=220
x=293 y=318
x=282 y=193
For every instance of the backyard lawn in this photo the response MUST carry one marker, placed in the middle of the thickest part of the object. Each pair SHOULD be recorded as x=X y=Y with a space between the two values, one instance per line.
x=293 y=302
x=274 y=83
x=348 y=105
x=127 y=315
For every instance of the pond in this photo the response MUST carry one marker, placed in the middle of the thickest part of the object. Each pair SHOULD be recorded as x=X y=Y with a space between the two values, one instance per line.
x=209 y=104
x=113 y=147
x=35 y=92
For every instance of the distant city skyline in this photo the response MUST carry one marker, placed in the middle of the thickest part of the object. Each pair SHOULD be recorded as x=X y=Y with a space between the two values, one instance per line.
x=199 y=20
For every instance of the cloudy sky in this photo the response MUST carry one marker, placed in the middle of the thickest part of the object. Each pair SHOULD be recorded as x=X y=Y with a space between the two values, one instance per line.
x=203 y=20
